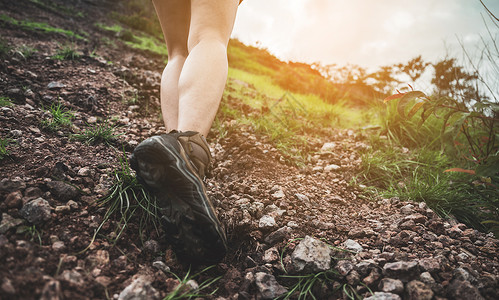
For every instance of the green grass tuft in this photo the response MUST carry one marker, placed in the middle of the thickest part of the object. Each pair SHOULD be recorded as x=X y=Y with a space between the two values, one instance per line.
x=5 y=101
x=4 y=143
x=67 y=52
x=60 y=117
x=98 y=133
x=37 y=26
x=184 y=291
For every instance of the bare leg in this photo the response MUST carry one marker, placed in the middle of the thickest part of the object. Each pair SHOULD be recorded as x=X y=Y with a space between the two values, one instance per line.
x=204 y=74
x=174 y=17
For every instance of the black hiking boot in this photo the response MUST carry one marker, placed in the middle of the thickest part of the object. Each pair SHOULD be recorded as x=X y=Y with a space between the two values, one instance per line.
x=172 y=167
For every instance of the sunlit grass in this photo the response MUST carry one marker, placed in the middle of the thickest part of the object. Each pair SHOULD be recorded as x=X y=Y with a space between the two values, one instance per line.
x=38 y=26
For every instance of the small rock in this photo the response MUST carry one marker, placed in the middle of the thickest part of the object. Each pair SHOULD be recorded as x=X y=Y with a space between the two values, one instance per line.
x=14 y=199
x=344 y=267
x=62 y=209
x=390 y=285
x=58 y=246
x=330 y=168
x=55 y=85
x=51 y=291
x=12 y=185
x=268 y=287
x=311 y=255
x=353 y=246
x=72 y=276
x=271 y=255
x=426 y=278
x=16 y=133
x=402 y=270
x=32 y=193
x=278 y=236
x=139 y=289
x=279 y=194
x=8 y=222
x=161 y=266
x=7 y=286
x=85 y=171
x=151 y=247
x=462 y=275
x=99 y=258
x=430 y=264
x=416 y=290
x=407 y=209
x=273 y=211
x=267 y=222
x=36 y=211
x=63 y=191
x=383 y=296
x=92 y=120
x=328 y=147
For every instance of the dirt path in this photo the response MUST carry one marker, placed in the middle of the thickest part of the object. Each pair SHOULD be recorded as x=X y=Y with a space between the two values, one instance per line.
x=268 y=206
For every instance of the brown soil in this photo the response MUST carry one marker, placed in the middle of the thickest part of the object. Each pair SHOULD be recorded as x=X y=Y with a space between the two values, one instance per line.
x=250 y=179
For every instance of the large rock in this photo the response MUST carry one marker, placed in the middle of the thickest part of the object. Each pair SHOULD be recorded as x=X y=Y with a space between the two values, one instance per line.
x=139 y=289
x=402 y=270
x=268 y=286
x=37 y=211
x=11 y=185
x=311 y=255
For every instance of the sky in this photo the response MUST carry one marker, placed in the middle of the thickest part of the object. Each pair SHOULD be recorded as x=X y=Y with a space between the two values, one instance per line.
x=368 y=33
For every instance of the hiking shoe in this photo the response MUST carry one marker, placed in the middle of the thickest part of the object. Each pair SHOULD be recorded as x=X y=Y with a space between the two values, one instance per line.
x=172 y=166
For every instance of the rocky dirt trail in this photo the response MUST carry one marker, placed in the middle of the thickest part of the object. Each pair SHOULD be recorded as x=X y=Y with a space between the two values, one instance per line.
x=280 y=219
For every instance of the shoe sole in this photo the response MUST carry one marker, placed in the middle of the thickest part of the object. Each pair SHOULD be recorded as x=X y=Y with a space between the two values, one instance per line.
x=192 y=228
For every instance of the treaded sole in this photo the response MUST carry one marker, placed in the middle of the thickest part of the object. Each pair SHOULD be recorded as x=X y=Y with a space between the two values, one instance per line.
x=192 y=234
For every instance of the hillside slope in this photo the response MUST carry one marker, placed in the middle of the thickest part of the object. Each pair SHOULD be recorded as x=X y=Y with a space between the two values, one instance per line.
x=66 y=62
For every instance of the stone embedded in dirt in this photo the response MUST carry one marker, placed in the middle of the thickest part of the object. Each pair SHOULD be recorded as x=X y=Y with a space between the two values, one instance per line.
x=63 y=191
x=151 y=247
x=328 y=147
x=462 y=274
x=85 y=171
x=344 y=267
x=365 y=266
x=303 y=198
x=72 y=276
x=31 y=193
x=273 y=210
x=36 y=211
x=426 y=278
x=7 y=286
x=383 y=296
x=267 y=222
x=418 y=290
x=271 y=255
x=279 y=194
x=278 y=236
x=140 y=289
x=12 y=185
x=161 y=266
x=352 y=246
x=390 y=285
x=330 y=168
x=55 y=85
x=14 y=199
x=51 y=290
x=268 y=287
x=431 y=264
x=402 y=270
x=407 y=209
x=58 y=246
x=99 y=258
x=311 y=255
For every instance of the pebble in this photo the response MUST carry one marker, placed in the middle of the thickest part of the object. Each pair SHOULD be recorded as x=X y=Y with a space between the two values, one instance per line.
x=139 y=289
x=353 y=246
x=330 y=168
x=58 y=246
x=311 y=255
x=328 y=147
x=55 y=85
x=401 y=270
x=63 y=191
x=418 y=290
x=267 y=222
x=267 y=286
x=271 y=255
x=51 y=290
x=278 y=236
x=161 y=266
x=390 y=285
x=12 y=185
x=14 y=199
x=383 y=296
x=37 y=211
